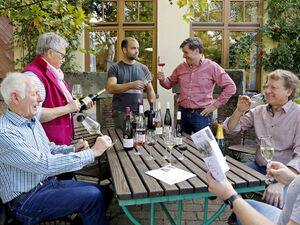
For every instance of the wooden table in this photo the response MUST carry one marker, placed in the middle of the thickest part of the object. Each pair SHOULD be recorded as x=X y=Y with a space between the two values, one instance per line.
x=132 y=186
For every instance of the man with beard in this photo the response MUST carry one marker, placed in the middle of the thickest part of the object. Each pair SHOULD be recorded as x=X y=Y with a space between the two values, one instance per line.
x=127 y=80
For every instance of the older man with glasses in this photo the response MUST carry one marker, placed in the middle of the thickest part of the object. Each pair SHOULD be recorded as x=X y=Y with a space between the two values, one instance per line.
x=57 y=107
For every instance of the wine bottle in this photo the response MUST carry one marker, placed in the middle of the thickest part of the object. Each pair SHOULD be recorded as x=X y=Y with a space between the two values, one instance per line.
x=151 y=118
x=140 y=127
x=220 y=137
x=168 y=119
x=136 y=115
x=84 y=102
x=158 y=121
x=128 y=132
x=178 y=129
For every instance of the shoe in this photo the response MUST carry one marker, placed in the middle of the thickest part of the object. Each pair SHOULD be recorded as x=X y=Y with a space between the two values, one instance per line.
x=232 y=219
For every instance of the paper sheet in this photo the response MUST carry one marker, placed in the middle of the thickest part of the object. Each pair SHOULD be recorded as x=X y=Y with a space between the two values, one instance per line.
x=211 y=153
x=170 y=174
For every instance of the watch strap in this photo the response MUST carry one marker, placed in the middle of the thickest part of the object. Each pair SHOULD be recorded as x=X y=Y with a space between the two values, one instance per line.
x=229 y=201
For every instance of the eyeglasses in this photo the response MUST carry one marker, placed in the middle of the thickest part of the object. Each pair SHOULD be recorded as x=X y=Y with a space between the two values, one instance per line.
x=61 y=54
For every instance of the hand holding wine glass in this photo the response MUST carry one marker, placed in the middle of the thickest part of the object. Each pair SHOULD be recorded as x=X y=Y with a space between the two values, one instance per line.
x=77 y=91
x=267 y=151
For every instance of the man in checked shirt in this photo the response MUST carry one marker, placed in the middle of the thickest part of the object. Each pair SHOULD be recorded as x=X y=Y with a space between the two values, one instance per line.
x=197 y=78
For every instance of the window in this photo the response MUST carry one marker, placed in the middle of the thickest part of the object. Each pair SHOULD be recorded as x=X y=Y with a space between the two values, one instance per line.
x=229 y=31
x=112 y=22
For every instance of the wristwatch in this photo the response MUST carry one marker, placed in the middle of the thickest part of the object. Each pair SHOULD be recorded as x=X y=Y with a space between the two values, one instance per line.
x=229 y=201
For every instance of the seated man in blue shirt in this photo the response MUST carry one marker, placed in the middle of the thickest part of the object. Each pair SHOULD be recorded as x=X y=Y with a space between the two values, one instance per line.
x=28 y=162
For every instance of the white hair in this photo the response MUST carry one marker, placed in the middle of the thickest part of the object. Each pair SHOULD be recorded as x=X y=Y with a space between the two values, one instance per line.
x=13 y=82
x=48 y=41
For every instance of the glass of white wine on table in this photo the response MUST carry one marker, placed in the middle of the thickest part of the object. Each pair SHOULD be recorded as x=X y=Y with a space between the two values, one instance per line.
x=170 y=141
x=267 y=151
x=150 y=141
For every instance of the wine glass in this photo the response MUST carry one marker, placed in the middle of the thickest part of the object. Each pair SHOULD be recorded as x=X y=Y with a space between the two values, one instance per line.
x=139 y=140
x=161 y=62
x=267 y=151
x=77 y=91
x=182 y=146
x=170 y=141
x=165 y=133
x=150 y=140
x=92 y=126
x=256 y=100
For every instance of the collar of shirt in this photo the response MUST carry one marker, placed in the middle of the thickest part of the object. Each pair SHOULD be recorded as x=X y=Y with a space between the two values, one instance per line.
x=20 y=120
x=286 y=107
x=200 y=63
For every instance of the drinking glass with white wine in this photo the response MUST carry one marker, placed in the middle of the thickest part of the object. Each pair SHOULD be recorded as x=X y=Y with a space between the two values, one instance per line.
x=267 y=151
x=170 y=141
x=77 y=91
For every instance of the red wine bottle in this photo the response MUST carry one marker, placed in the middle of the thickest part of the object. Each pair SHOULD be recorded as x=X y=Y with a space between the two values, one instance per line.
x=128 y=132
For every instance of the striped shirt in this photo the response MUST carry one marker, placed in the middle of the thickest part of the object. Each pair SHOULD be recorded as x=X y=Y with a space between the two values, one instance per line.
x=27 y=157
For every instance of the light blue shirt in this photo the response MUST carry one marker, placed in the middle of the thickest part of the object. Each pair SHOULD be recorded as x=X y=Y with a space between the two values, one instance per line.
x=27 y=157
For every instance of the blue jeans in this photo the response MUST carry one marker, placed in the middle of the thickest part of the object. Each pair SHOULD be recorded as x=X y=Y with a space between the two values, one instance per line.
x=263 y=170
x=268 y=211
x=59 y=198
x=193 y=121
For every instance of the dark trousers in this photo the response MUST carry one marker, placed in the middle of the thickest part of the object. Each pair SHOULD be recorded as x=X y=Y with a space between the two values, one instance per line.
x=59 y=198
x=193 y=121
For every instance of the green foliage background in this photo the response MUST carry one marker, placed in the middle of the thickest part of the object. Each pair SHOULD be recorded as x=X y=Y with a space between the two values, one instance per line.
x=32 y=18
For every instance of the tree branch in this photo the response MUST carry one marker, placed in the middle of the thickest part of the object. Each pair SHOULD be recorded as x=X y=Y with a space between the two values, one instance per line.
x=21 y=6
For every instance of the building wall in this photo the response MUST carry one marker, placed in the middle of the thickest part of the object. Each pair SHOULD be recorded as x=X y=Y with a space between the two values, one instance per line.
x=171 y=31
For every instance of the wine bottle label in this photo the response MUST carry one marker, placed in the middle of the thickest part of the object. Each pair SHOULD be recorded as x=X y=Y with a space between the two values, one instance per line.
x=159 y=130
x=86 y=100
x=128 y=143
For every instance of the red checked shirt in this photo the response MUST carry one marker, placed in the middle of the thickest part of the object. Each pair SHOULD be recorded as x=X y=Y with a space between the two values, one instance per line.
x=197 y=84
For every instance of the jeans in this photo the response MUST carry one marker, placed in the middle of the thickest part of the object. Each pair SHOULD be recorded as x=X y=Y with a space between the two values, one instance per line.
x=193 y=121
x=268 y=211
x=59 y=198
x=263 y=170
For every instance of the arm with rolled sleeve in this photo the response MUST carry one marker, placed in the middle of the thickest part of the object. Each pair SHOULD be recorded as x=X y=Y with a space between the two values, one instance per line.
x=245 y=122
x=224 y=81
x=170 y=81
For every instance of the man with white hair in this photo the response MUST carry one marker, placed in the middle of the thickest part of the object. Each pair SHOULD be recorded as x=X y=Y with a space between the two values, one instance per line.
x=28 y=162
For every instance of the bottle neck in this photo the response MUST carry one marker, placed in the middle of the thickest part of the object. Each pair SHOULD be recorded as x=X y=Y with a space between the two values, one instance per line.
x=220 y=134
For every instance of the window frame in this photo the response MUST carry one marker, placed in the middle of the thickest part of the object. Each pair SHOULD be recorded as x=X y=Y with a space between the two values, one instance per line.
x=121 y=26
x=226 y=27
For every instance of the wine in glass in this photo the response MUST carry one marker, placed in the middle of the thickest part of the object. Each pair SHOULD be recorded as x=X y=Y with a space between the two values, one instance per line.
x=182 y=146
x=138 y=142
x=267 y=151
x=161 y=62
x=150 y=140
x=165 y=133
x=77 y=91
x=170 y=141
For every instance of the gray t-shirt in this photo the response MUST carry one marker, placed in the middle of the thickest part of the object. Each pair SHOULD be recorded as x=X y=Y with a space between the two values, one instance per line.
x=291 y=210
x=126 y=73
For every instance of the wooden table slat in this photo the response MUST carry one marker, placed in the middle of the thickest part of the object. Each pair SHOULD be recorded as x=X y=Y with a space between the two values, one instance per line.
x=133 y=179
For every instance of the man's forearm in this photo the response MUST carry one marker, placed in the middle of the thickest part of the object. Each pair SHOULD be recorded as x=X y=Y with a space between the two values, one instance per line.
x=118 y=88
x=234 y=120
x=151 y=94
x=49 y=114
x=248 y=215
